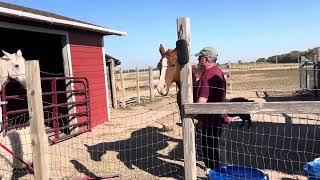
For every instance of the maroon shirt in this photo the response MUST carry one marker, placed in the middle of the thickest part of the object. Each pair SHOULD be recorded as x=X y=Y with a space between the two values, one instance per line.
x=212 y=85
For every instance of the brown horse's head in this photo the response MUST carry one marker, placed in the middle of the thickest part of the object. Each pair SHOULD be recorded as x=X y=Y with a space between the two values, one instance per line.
x=169 y=70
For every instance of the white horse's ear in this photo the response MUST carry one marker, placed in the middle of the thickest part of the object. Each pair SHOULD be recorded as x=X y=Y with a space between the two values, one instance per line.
x=19 y=53
x=161 y=49
x=6 y=55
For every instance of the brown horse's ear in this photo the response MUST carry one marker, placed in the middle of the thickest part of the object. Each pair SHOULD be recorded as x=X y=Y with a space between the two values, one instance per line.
x=161 y=49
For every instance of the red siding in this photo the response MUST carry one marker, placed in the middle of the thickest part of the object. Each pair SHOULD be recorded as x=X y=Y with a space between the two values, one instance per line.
x=87 y=61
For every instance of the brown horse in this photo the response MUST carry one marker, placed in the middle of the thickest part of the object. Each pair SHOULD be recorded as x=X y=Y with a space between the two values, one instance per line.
x=170 y=73
x=170 y=70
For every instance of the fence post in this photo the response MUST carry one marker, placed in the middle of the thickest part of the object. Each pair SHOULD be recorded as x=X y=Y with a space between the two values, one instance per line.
x=229 y=78
x=151 y=86
x=317 y=71
x=113 y=85
x=39 y=138
x=122 y=88
x=138 y=89
x=183 y=30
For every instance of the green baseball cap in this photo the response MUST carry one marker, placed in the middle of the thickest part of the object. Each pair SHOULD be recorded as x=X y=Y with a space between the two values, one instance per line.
x=208 y=52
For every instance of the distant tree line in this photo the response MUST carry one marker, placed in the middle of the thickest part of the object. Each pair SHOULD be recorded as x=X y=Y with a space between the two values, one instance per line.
x=291 y=57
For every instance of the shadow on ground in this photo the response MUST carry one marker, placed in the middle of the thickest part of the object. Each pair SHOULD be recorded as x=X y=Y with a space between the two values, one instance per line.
x=141 y=151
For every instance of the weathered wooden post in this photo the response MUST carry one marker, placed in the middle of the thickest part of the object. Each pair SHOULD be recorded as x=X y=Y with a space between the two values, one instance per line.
x=138 y=88
x=229 y=78
x=151 y=85
x=183 y=29
x=113 y=85
x=39 y=138
x=317 y=71
x=122 y=89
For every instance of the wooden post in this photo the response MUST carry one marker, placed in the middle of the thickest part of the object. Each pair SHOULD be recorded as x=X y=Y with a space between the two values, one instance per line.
x=122 y=88
x=39 y=138
x=229 y=78
x=183 y=29
x=138 y=88
x=113 y=85
x=315 y=72
x=308 y=80
x=151 y=85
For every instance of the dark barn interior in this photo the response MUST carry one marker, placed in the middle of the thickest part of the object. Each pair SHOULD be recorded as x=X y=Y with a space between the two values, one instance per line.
x=47 y=48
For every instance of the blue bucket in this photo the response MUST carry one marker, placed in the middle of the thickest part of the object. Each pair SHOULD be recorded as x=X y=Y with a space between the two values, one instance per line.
x=236 y=173
x=312 y=169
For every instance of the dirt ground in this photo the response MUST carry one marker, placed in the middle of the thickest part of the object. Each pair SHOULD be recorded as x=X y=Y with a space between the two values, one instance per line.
x=145 y=141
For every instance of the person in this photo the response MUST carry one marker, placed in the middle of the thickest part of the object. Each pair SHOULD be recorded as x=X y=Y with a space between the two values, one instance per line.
x=211 y=88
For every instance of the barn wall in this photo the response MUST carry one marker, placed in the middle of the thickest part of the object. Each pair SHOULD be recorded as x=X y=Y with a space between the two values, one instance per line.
x=87 y=61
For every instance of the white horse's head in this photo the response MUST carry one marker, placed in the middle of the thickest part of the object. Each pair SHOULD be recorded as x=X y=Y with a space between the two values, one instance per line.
x=15 y=67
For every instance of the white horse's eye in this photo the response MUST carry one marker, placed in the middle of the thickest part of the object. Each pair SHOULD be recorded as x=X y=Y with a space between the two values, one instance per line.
x=16 y=65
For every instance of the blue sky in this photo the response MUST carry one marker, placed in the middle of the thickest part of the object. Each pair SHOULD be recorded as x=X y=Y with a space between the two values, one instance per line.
x=240 y=30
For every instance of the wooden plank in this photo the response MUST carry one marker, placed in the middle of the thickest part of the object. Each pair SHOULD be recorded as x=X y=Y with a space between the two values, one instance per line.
x=113 y=85
x=141 y=84
x=229 y=81
x=151 y=85
x=291 y=107
x=39 y=138
x=138 y=88
x=122 y=88
x=183 y=30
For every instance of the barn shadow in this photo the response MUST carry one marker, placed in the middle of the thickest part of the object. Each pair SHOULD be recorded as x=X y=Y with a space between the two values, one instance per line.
x=276 y=146
x=141 y=151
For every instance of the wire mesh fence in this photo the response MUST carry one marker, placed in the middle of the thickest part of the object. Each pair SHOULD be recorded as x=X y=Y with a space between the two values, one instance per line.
x=278 y=144
x=134 y=145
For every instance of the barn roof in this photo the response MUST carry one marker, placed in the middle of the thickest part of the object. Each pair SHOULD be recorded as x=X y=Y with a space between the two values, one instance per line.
x=43 y=16
x=117 y=62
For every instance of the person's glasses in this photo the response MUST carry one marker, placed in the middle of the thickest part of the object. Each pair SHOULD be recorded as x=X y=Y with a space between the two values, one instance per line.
x=201 y=57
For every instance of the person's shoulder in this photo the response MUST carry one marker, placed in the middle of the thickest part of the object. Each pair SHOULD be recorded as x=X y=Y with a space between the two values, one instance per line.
x=215 y=70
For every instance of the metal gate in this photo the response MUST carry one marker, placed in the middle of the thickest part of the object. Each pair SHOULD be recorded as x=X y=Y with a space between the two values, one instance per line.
x=309 y=73
x=66 y=106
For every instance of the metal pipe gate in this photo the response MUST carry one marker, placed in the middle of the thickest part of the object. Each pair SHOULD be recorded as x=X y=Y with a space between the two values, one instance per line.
x=66 y=106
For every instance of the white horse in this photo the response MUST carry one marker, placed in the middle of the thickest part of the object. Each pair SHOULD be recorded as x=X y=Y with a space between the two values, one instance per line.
x=12 y=66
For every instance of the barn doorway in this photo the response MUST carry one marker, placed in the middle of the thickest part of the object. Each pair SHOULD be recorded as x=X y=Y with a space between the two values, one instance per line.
x=48 y=49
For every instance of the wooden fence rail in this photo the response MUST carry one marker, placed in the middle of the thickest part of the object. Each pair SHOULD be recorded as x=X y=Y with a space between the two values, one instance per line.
x=291 y=107
x=137 y=79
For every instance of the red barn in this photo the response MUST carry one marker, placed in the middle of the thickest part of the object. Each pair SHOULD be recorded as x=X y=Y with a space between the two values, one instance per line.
x=63 y=46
